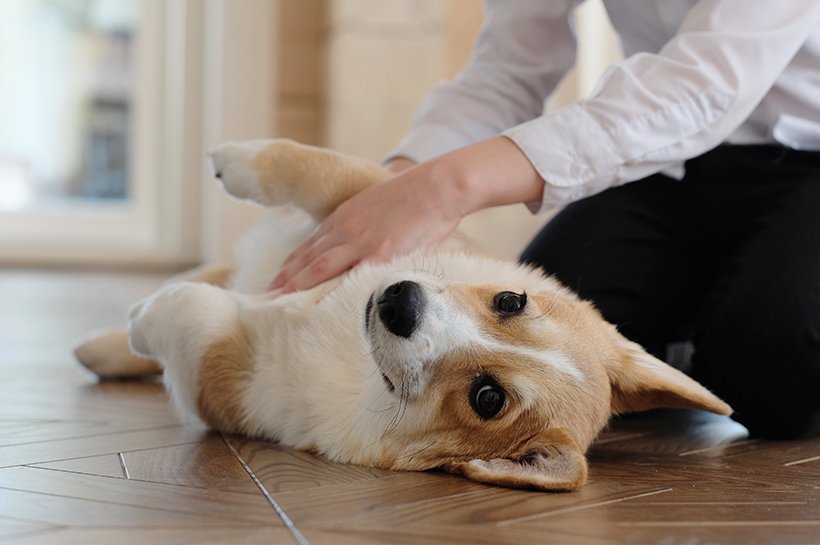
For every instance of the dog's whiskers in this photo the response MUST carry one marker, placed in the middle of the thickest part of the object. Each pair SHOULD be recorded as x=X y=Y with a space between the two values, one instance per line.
x=397 y=417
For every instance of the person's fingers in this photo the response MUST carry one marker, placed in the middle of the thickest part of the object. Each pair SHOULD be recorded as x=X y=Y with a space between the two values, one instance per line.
x=292 y=265
x=319 y=234
x=325 y=266
x=299 y=259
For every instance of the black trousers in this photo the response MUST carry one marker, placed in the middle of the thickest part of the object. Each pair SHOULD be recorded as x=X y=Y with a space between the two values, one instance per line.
x=727 y=258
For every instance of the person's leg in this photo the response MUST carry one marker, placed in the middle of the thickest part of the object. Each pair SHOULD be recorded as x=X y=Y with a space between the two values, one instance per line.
x=634 y=252
x=758 y=341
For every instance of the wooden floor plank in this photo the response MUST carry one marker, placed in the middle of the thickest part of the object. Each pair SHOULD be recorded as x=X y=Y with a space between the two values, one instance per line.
x=110 y=443
x=70 y=511
x=672 y=514
x=205 y=464
x=143 y=403
x=282 y=469
x=596 y=532
x=107 y=465
x=11 y=530
x=345 y=500
x=423 y=533
x=75 y=429
x=375 y=504
x=766 y=452
x=180 y=535
x=143 y=495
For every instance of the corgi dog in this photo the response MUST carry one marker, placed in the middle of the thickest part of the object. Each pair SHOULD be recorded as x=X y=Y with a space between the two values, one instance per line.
x=440 y=359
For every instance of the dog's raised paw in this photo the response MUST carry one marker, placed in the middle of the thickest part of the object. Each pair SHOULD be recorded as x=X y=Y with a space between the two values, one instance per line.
x=233 y=164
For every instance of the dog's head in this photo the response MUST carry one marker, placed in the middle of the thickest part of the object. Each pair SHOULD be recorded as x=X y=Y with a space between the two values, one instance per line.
x=508 y=383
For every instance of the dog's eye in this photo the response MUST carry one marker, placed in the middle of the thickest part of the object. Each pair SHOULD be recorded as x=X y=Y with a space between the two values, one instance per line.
x=487 y=398
x=509 y=302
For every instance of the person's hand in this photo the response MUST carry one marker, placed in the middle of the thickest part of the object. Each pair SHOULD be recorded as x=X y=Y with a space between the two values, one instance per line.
x=412 y=210
x=417 y=208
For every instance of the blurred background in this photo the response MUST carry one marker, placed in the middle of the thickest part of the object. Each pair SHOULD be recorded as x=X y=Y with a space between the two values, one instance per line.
x=108 y=107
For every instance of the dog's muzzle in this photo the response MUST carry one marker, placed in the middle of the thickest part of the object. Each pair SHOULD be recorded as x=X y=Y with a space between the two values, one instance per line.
x=400 y=308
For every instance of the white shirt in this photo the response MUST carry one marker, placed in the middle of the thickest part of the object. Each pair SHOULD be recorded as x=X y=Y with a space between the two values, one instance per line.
x=695 y=74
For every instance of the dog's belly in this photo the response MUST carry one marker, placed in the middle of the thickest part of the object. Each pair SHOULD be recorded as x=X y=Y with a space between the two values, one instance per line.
x=263 y=249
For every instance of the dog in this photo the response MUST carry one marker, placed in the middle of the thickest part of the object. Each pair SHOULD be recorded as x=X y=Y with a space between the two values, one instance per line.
x=440 y=359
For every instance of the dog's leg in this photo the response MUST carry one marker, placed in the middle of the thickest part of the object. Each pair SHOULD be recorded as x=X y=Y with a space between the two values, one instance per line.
x=195 y=331
x=106 y=352
x=274 y=172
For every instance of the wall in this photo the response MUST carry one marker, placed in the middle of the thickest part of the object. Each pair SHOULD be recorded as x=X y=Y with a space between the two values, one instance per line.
x=239 y=103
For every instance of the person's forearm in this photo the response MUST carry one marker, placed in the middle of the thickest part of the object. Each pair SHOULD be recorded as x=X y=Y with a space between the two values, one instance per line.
x=505 y=82
x=490 y=173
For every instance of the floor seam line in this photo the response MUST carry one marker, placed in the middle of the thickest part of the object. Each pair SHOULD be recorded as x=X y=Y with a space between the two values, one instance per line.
x=297 y=535
x=123 y=467
x=803 y=461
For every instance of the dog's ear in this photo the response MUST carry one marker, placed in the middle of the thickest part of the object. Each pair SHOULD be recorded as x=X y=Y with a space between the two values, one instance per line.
x=641 y=382
x=549 y=461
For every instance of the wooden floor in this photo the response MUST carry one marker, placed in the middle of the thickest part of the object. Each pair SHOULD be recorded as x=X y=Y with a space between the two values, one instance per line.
x=86 y=463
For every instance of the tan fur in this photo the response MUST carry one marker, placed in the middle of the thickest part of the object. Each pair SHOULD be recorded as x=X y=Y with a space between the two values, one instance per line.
x=283 y=171
x=550 y=461
x=563 y=313
x=224 y=372
x=641 y=382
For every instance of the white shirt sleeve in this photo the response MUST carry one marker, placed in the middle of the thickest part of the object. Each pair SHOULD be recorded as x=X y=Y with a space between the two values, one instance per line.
x=653 y=110
x=523 y=50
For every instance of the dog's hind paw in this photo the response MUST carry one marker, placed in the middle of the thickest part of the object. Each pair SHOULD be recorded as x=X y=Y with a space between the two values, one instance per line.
x=107 y=354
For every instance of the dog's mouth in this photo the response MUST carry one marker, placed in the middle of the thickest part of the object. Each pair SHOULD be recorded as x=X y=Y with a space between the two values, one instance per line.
x=368 y=319
x=368 y=310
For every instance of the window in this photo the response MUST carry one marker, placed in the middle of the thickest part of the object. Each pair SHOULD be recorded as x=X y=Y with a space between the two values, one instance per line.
x=100 y=102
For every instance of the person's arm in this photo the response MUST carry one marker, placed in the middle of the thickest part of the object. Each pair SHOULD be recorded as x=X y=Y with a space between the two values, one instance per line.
x=417 y=208
x=650 y=111
x=647 y=112
x=523 y=50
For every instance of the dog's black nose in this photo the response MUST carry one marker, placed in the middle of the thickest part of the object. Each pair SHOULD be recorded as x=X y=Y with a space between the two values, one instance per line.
x=400 y=308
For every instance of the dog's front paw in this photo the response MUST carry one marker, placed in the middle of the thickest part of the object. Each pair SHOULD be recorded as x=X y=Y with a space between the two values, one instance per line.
x=234 y=165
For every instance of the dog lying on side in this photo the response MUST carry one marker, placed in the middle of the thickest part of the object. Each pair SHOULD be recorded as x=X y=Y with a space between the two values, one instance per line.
x=439 y=359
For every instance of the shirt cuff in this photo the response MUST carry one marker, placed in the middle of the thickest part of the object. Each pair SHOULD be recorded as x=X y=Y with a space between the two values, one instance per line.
x=570 y=151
